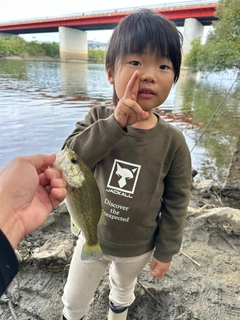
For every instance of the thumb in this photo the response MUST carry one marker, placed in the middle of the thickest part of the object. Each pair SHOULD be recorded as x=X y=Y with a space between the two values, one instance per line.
x=41 y=160
x=153 y=265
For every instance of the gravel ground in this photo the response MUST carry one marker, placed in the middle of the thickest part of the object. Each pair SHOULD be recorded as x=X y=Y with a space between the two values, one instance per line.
x=203 y=281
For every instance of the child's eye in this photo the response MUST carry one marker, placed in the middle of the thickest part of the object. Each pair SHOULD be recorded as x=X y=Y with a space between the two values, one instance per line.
x=164 y=67
x=135 y=63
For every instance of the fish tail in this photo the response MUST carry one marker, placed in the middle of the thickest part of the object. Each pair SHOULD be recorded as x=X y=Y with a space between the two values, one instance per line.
x=91 y=252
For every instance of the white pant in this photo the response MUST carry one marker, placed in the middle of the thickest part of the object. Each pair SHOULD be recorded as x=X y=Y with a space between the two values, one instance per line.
x=84 y=277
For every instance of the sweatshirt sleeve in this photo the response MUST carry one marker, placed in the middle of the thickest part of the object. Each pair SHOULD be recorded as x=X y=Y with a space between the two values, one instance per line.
x=95 y=136
x=174 y=205
x=8 y=263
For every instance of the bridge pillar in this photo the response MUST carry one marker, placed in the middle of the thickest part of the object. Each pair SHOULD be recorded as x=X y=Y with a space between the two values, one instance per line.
x=193 y=29
x=73 y=44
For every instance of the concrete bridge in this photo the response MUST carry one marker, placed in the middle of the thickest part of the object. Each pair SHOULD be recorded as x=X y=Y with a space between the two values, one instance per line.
x=192 y=15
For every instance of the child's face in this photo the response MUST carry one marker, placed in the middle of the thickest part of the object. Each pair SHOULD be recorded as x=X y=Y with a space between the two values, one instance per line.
x=156 y=77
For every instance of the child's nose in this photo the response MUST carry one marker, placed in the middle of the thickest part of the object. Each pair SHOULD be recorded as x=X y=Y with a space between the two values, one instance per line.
x=147 y=77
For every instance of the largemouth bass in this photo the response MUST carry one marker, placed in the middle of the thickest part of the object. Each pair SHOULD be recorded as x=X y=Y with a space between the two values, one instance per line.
x=83 y=200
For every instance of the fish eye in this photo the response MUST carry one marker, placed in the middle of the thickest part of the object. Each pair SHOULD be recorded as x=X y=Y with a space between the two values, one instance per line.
x=74 y=160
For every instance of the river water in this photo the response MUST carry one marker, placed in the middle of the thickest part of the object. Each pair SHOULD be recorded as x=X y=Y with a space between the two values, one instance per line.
x=41 y=101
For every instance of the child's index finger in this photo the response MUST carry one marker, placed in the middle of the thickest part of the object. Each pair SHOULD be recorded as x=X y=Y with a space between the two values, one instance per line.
x=132 y=87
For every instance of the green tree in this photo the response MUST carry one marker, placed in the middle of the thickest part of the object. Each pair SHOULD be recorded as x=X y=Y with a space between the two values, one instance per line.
x=96 y=55
x=12 y=46
x=5 y=47
x=35 y=49
x=222 y=48
x=51 y=49
x=18 y=45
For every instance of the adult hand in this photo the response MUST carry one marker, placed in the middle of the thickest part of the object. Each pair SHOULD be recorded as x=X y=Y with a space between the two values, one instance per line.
x=158 y=269
x=128 y=111
x=29 y=190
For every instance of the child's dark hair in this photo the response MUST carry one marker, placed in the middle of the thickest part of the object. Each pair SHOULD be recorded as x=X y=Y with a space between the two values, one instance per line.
x=144 y=29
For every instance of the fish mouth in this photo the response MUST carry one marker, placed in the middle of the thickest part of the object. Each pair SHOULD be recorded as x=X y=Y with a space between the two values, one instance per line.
x=60 y=157
x=62 y=163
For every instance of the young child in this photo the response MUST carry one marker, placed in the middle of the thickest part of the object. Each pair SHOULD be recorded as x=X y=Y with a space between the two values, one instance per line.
x=140 y=162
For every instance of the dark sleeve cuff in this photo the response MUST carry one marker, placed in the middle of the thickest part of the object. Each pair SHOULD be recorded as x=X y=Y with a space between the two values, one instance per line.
x=8 y=263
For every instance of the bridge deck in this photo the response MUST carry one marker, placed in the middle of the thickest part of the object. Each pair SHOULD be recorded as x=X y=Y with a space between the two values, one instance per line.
x=108 y=19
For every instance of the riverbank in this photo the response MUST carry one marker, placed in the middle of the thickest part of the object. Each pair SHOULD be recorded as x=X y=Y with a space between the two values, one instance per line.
x=203 y=282
x=45 y=58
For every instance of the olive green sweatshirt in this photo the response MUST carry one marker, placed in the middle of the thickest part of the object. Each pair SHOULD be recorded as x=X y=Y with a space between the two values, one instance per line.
x=144 y=177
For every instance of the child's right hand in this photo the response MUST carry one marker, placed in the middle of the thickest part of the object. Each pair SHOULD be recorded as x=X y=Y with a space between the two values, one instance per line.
x=159 y=269
x=128 y=111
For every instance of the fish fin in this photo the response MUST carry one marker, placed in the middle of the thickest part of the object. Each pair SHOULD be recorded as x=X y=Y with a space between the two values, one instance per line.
x=102 y=219
x=89 y=252
x=75 y=230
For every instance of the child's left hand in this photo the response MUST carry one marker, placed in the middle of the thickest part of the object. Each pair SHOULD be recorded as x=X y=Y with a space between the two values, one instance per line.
x=158 y=269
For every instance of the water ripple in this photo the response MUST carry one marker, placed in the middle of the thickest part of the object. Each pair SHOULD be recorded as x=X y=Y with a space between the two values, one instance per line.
x=40 y=102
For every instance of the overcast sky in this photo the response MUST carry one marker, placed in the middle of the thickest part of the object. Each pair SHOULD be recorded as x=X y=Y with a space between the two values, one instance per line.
x=25 y=9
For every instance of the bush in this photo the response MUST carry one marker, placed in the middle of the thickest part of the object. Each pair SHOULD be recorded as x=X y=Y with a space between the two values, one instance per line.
x=35 y=49
x=96 y=55
x=18 y=46
x=5 y=48
x=51 y=49
x=12 y=46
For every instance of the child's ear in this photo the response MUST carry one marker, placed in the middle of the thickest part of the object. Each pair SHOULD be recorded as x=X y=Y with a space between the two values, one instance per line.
x=110 y=75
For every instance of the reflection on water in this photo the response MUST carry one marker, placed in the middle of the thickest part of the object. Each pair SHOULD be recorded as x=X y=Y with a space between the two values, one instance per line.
x=74 y=78
x=213 y=153
x=40 y=103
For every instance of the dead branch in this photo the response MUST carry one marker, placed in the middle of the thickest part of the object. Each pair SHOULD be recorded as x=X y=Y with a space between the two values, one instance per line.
x=186 y=255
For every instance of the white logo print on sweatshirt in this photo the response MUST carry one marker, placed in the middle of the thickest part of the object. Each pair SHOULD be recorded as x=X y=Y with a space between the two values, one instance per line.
x=124 y=176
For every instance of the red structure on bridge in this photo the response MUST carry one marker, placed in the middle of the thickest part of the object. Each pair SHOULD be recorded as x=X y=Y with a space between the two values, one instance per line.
x=103 y=20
